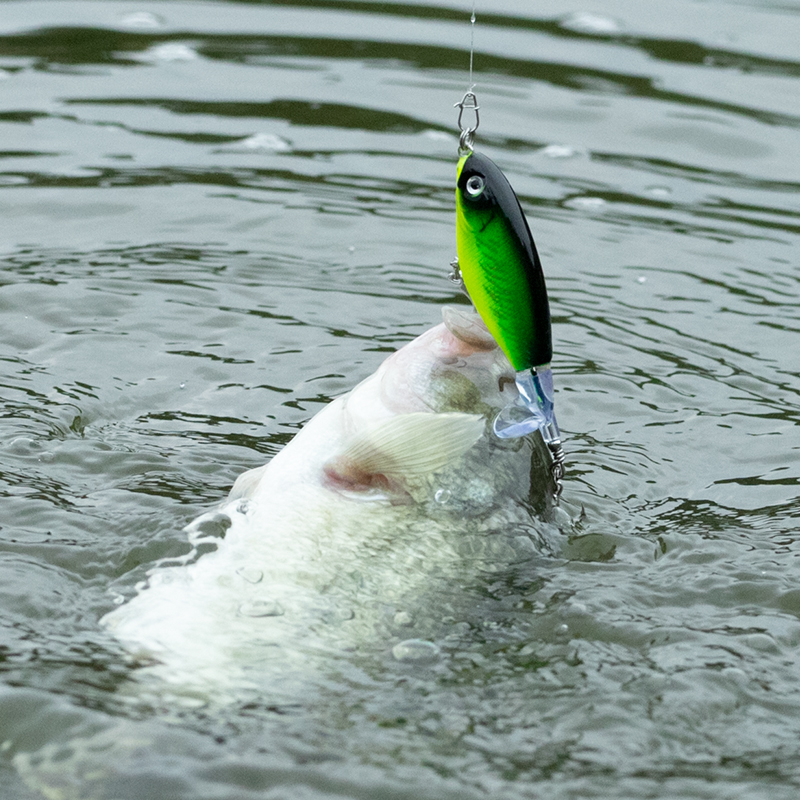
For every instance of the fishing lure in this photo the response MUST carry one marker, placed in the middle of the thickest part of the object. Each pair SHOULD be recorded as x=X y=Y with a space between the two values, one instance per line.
x=502 y=274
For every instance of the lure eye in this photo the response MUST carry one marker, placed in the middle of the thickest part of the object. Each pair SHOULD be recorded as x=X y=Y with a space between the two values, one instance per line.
x=475 y=186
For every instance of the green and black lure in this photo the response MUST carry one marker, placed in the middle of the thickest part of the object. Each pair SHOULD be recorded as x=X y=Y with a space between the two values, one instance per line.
x=499 y=263
x=503 y=276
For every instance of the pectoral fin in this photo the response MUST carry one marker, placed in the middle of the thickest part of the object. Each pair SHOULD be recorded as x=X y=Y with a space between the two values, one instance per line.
x=405 y=446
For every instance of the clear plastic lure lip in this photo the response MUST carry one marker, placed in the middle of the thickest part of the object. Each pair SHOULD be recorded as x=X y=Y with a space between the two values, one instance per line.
x=532 y=410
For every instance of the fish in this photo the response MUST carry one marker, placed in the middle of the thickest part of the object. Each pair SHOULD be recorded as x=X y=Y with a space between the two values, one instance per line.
x=390 y=496
x=502 y=273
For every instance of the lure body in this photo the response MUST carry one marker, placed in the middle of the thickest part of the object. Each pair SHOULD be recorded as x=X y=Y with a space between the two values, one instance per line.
x=499 y=263
x=503 y=275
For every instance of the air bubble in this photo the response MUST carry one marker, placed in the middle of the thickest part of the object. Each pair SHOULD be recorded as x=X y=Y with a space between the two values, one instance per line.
x=250 y=574
x=442 y=496
x=417 y=651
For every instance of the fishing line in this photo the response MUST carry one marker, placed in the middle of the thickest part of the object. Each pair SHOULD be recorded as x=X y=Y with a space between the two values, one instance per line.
x=472 y=45
x=469 y=101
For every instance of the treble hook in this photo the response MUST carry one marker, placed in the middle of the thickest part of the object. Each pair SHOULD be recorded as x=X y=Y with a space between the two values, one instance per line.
x=470 y=102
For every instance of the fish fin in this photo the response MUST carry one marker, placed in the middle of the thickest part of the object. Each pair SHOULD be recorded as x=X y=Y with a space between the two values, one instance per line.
x=245 y=485
x=405 y=446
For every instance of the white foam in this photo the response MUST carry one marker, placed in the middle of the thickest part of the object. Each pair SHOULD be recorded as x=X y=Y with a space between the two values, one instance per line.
x=587 y=22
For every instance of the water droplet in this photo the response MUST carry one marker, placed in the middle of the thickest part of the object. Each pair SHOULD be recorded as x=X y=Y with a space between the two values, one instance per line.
x=403 y=619
x=562 y=629
x=261 y=608
x=250 y=574
x=442 y=496
x=417 y=651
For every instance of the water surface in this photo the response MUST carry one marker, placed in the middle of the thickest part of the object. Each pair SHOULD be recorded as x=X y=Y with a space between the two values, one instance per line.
x=218 y=216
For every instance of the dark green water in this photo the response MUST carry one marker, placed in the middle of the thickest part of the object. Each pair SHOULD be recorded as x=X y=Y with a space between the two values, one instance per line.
x=216 y=216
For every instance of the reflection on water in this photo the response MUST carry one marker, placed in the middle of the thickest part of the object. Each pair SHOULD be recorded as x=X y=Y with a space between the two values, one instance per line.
x=219 y=216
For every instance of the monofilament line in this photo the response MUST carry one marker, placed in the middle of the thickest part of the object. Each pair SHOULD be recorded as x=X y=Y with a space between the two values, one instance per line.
x=472 y=44
x=469 y=100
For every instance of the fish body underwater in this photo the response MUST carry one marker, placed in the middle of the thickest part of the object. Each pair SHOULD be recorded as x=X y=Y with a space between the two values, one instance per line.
x=388 y=498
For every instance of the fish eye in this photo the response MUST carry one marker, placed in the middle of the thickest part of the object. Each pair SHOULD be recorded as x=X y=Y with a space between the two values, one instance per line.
x=475 y=186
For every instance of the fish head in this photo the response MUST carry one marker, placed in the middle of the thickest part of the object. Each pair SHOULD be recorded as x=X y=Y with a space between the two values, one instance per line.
x=438 y=393
x=455 y=366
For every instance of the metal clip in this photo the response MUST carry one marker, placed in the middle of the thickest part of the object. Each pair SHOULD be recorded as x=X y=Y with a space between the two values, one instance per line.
x=557 y=467
x=469 y=102
x=456 y=278
x=455 y=274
